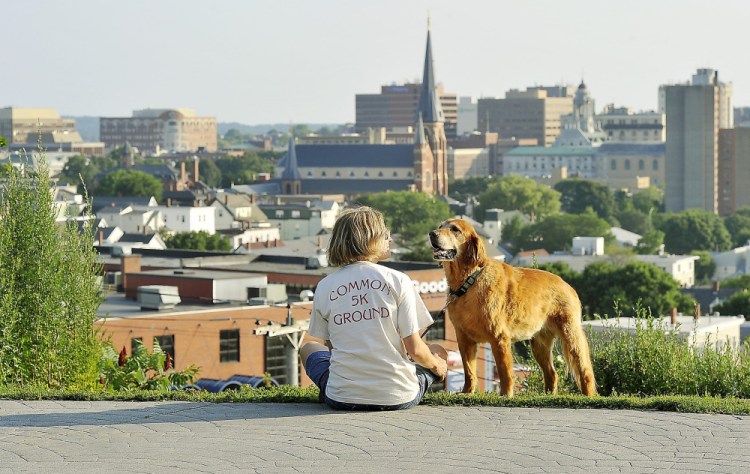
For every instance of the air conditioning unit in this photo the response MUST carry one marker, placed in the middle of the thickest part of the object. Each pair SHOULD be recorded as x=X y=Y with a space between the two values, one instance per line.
x=158 y=296
x=113 y=278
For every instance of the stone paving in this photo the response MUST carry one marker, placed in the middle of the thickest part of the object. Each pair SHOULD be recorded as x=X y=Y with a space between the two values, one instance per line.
x=82 y=437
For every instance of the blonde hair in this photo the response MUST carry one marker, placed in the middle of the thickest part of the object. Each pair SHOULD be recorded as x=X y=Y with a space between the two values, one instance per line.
x=358 y=234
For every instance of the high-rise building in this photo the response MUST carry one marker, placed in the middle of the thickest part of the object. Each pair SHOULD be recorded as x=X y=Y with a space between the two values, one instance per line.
x=467 y=115
x=532 y=113
x=396 y=105
x=692 y=113
x=28 y=128
x=707 y=77
x=734 y=170
x=156 y=131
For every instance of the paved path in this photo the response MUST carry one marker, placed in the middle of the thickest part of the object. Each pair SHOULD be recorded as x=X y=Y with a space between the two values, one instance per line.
x=82 y=437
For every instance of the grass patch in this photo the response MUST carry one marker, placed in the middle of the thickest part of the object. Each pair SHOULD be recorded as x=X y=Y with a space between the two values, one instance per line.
x=286 y=394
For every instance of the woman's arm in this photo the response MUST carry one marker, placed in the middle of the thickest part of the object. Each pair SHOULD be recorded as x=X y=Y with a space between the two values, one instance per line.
x=420 y=352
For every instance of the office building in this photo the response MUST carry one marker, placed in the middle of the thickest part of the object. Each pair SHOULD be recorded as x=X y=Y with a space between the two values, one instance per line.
x=158 y=131
x=29 y=128
x=734 y=170
x=621 y=124
x=396 y=106
x=529 y=114
x=692 y=114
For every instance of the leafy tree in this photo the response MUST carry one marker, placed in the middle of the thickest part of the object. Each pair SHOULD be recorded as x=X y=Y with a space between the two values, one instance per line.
x=738 y=303
x=49 y=289
x=513 y=230
x=412 y=215
x=243 y=169
x=693 y=229
x=562 y=270
x=650 y=242
x=649 y=200
x=738 y=227
x=130 y=183
x=3 y=141
x=513 y=193
x=634 y=221
x=209 y=173
x=418 y=252
x=704 y=267
x=556 y=232
x=200 y=240
x=578 y=194
x=604 y=287
x=739 y=281
x=84 y=168
x=461 y=189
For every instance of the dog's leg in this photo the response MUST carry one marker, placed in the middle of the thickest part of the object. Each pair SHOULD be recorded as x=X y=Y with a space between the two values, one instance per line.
x=541 y=347
x=501 y=349
x=468 y=350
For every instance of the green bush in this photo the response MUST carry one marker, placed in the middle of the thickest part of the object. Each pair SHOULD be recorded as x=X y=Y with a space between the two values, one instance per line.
x=656 y=361
x=49 y=287
x=142 y=371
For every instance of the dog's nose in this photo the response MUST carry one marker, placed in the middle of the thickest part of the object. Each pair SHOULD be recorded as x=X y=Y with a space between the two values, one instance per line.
x=433 y=234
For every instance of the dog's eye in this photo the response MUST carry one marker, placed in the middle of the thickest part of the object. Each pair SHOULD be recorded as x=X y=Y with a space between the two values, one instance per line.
x=454 y=228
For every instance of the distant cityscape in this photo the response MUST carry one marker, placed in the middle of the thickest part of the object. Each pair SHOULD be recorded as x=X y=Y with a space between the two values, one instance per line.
x=416 y=137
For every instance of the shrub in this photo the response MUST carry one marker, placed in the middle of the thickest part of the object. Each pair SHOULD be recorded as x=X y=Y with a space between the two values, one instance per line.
x=49 y=288
x=142 y=371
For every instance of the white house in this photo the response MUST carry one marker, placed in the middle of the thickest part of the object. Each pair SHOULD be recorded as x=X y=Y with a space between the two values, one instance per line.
x=679 y=267
x=236 y=211
x=133 y=219
x=299 y=220
x=189 y=219
x=260 y=235
x=731 y=263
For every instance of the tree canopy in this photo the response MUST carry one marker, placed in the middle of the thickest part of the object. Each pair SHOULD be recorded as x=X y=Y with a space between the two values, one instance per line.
x=210 y=173
x=516 y=193
x=556 y=232
x=130 y=183
x=693 y=229
x=576 y=195
x=738 y=303
x=606 y=289
x=243 y=169
x=200 y=240
x=738 y=227
x=412 y=215
x=85 y=168
x=461 y=189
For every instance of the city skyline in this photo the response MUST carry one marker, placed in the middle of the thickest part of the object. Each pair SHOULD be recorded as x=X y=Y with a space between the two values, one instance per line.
x=304 y=62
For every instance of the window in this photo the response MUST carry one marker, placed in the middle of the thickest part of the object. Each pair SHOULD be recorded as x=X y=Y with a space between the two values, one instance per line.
x=641 y=165
x=655 y=165
x=437 y=330
x=295 y=214
x=167 y=345
x=613 y=165
x=627 y=165
x=322 y=173
x=134 y=343
x=229 y=345
x=279 y=213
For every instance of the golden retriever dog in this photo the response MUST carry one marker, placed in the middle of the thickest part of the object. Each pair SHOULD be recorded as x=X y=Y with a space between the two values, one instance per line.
x=507 y=304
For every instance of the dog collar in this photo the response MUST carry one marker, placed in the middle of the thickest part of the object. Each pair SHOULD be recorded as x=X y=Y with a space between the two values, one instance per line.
x=467 y=284
x=454 y=295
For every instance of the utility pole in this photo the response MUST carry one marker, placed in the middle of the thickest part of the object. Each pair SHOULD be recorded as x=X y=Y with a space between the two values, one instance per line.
x=293 y=331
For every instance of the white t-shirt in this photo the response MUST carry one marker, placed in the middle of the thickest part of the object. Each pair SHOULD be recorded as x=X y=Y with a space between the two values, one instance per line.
x=365 y=310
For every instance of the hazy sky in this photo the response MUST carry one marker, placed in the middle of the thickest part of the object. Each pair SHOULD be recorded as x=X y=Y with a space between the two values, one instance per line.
x=303 y=61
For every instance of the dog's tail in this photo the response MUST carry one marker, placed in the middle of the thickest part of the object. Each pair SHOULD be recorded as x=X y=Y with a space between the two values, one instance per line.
x=577 y=356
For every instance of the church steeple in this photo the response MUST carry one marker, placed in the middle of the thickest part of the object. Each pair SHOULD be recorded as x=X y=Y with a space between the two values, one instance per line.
x=429 y=102
x=430 y=145
x=291 y=180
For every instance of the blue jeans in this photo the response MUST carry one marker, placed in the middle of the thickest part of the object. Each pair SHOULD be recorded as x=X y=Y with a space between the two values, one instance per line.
x=318 y=368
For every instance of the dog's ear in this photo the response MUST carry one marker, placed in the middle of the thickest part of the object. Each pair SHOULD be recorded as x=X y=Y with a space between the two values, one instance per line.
x=476 y=252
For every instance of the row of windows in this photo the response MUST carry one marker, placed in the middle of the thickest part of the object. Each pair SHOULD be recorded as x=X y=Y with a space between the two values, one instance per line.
x=641 y=165
x=229 y=345
x=366 y=174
